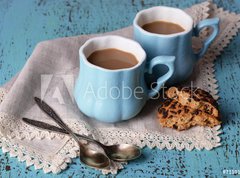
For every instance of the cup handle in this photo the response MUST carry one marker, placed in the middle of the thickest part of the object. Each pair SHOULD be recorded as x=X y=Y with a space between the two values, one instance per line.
x=214 y=24
x=165 y=60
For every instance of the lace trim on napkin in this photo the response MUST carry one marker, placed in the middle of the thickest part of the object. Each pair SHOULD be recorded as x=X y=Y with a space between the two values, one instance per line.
x=107 y=136
x=229 y=26
x=61 y=159
x=208 y=140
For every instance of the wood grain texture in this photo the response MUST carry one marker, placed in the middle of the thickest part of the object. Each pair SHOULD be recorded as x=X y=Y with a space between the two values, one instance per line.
x=25 y=23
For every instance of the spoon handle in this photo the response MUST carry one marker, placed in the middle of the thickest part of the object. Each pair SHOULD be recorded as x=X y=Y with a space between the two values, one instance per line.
x=52 y=128
x=50 y=112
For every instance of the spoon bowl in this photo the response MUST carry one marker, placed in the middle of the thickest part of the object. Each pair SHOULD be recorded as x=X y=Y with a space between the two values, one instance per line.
x=123 y=152
x=93 y=158
x=116 y=152
x=88 y=156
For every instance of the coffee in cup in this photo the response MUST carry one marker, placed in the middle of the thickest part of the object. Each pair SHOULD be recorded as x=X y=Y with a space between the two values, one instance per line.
x=111 y=86
x=112 y=59
x=163 y=27
x=152 y=30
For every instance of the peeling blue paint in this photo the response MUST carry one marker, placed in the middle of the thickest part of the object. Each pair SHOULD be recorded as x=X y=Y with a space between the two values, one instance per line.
x=25 y=23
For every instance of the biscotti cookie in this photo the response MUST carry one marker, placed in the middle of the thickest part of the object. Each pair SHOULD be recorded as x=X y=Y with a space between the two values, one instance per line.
x=195 y=98
x=175 y=112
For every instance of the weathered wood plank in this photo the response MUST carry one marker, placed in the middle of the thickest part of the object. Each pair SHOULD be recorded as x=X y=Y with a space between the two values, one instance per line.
x=25 y=23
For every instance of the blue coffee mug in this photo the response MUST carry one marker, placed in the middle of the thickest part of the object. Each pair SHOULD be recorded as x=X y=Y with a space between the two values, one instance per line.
x=176 y=44
x=116 y=95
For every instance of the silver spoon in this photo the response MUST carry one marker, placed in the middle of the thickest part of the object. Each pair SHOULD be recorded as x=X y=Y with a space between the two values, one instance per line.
x=119 y=152
x=88 y=156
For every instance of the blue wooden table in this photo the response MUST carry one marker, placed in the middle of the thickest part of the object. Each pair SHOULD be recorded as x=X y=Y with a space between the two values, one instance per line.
x=24 y=23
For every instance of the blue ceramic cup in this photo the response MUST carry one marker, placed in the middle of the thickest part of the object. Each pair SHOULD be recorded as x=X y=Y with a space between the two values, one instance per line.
x=177 y=44
x=116 y=95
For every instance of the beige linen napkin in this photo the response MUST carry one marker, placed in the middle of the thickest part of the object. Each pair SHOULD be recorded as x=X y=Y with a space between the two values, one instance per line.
x=50 y=73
